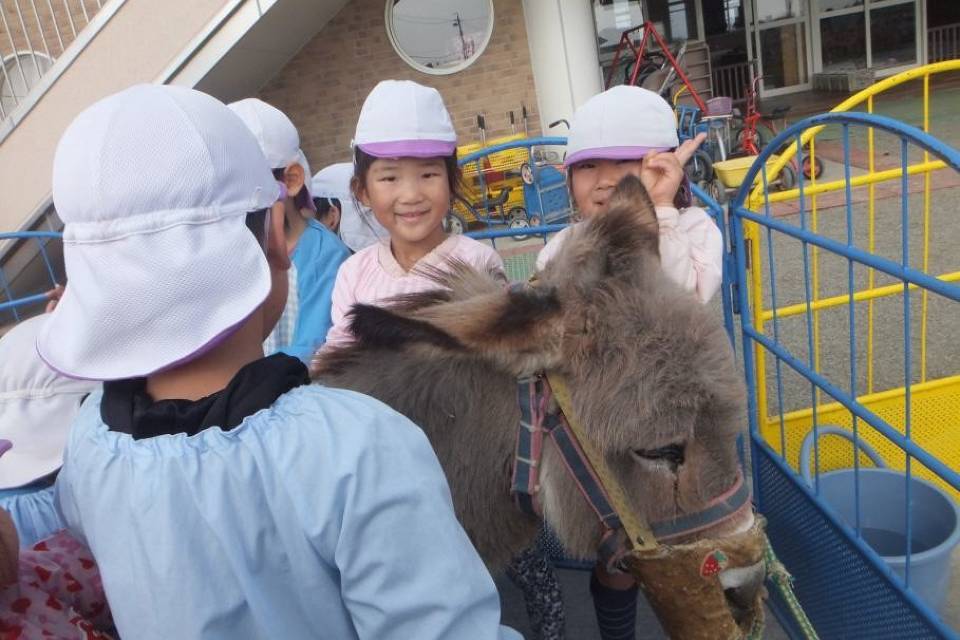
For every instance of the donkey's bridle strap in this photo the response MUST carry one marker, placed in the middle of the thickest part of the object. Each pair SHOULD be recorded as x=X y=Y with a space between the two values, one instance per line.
x=638 y=532
x=533 y=394
x=721 y=508
x=621 y=529
x=525 y=484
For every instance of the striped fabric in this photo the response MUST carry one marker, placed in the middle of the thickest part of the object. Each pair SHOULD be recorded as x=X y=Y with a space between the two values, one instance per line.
x=282 y=334
x=616 y=610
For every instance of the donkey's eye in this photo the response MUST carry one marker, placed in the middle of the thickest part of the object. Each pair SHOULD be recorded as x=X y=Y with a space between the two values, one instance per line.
x=672 y=454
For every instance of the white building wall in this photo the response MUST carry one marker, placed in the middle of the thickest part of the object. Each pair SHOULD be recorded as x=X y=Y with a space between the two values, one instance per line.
x=564 y=56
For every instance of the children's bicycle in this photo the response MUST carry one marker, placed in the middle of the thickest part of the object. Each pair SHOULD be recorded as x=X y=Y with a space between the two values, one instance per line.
x=759 y=128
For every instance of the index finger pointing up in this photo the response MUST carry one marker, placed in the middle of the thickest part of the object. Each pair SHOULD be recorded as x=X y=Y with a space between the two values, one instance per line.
x=685 y=151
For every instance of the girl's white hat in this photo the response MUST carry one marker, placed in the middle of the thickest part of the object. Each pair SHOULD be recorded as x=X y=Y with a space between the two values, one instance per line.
x=622 y=123
x=358 y=229
x=37 y=407
x=153 y=185
x=275 y=133
x=401 y=118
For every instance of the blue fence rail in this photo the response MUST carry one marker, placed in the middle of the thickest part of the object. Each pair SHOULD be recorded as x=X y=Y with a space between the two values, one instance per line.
x=12 y=303
x=846 y=587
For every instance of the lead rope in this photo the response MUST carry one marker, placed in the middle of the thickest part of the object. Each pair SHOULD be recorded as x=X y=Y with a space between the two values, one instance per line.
x=783 y=581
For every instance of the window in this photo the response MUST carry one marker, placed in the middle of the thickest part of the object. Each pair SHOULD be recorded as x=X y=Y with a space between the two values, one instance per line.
x=850 y=42
x=613 y=17
x=19 y=74
x=843 y=43
x=892 y=36
x=439 y=36
x=772 y=10
x=826 y=6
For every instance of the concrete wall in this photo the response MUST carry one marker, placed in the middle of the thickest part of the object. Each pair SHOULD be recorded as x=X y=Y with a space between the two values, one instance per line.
x=123 y=53
x=323 y=87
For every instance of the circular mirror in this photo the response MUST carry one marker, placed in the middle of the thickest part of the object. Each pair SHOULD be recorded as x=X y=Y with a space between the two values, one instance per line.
x=439 y=36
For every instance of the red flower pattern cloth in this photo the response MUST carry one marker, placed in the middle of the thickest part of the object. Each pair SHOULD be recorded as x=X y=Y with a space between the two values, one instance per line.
x=58 y=596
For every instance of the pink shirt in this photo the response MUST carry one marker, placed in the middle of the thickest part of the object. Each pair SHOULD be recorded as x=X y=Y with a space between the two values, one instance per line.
x=372 y=275
x=691 y=250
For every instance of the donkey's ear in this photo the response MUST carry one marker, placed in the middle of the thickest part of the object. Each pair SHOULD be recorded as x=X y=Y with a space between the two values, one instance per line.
x=630 y=226
x=519 y=326
x=618 y=243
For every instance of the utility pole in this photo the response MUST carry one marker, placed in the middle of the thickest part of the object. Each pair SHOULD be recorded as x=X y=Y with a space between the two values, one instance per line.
x=463 y=43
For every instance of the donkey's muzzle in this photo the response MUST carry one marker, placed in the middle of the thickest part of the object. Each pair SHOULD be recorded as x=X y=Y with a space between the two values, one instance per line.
x=711 y=589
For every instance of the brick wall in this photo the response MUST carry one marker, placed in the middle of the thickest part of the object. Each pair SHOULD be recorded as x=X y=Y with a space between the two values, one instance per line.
x=323 y=87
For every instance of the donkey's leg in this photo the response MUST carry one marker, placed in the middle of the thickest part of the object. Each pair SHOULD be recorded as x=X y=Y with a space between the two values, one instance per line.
x=532 y=572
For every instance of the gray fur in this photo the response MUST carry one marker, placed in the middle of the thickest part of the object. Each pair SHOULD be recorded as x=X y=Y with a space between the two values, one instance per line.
x=647 y=365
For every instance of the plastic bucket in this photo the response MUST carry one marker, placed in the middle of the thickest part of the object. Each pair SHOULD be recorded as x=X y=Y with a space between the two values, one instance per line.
x=935 y=518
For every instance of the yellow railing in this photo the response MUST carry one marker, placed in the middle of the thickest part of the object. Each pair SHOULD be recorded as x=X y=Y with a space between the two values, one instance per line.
x=759 y=199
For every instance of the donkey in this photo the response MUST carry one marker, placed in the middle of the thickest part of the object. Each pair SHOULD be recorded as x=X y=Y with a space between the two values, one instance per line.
x=651 y=373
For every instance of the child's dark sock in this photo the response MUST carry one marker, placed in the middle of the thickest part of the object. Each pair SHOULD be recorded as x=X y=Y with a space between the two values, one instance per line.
x=616 y=610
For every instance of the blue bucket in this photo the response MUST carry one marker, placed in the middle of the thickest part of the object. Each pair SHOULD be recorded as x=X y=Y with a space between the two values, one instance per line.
x=935 y=518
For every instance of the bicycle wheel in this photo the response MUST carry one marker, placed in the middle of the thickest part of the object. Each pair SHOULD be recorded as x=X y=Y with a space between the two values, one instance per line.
x=716 y=190
x=454 y=224
x=760 y=137
x=788 y=177
x=700 y=167
x=817 y=167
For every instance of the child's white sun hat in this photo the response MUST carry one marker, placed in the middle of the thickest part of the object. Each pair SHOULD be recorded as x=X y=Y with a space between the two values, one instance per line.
x=274 y=131
x=622 y=123
x=37 y=407
x=401 y=118
x=276 y=135
x=153 y=185
x=358 y=229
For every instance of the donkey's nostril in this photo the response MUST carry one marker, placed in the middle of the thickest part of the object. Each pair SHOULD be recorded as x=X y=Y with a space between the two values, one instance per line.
x=743 y=588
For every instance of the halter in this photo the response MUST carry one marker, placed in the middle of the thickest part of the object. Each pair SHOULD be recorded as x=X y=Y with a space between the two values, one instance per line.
x=622 y=531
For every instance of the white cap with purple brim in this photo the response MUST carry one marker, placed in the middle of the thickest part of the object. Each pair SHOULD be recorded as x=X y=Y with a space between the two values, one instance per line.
x=622 y=123
x=401 y=119
x=37 y=407
x=358 y=228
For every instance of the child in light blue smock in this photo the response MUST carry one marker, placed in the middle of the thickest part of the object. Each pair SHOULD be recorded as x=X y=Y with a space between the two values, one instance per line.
x=316 y=253
x=221 y=494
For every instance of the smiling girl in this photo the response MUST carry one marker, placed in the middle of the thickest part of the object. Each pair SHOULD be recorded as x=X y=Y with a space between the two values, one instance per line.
x=406 y=173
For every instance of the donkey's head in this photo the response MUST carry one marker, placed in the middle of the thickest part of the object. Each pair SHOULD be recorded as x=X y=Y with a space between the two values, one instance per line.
x=651 y=371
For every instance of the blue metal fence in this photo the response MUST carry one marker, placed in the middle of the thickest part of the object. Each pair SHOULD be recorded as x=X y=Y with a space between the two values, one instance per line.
x=845 y=586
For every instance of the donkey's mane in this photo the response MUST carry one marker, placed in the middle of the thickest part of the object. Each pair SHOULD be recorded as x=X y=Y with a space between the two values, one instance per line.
x=459 y=297
x=455 y=280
